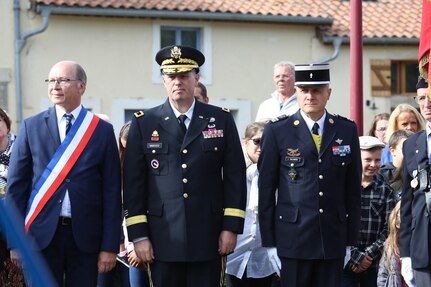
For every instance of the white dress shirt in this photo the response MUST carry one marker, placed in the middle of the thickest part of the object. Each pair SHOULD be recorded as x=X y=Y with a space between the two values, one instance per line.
x=66 y=210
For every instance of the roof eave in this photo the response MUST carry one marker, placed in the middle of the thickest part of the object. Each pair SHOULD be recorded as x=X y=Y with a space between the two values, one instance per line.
x=374 y=41
x=189 y=15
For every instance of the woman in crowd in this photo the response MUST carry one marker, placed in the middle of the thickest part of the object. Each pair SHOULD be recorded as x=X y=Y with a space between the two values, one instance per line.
x=379 y=126
x=251 y=264
x=403 y=117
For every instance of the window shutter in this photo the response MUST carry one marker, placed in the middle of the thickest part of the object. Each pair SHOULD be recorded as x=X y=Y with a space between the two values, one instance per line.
x=380 y=78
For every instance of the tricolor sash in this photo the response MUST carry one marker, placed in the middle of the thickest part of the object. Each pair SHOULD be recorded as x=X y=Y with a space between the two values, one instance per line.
x=60 y=165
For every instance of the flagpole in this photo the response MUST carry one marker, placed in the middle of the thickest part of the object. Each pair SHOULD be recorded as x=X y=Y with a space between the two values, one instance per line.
x=356 y=78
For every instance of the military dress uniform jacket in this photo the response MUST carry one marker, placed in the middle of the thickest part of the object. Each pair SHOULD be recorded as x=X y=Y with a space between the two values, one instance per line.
x=182 y=193
x=319 y=195
x=415 y=219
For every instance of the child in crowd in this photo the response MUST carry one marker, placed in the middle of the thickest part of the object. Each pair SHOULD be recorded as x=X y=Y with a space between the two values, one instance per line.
x=391 y=172
x=377 y=201
x=389 y=274
x=251 y=265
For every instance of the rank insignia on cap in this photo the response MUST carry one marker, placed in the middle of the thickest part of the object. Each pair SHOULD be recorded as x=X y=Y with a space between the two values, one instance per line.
x=176 y=52
x=139 y=114
x=179 y=59
x=312 y=75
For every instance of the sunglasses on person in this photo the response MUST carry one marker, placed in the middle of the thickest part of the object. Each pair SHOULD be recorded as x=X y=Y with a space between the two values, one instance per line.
x=256 y=141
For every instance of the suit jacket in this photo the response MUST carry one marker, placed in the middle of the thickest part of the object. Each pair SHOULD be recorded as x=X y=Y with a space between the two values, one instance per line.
x=183 y=193
x=415 y=219
x=319 y=195
x=93 y=184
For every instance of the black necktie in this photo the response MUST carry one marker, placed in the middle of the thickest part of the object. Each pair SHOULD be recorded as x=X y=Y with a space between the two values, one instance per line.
x=69 y=118
x=182 y=119
x=315 y=129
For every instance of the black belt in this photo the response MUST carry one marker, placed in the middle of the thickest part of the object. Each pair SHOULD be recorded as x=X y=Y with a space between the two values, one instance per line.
x=65 y=221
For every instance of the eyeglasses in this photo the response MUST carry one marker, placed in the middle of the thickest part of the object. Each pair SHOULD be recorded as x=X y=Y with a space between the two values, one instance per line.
x=420 y=99
x=60 y=81
x=256 y=141
x=382 y=129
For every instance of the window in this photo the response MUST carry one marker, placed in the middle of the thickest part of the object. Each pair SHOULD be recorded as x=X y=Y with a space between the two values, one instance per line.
x=404 y=76
x=394 y=77
x=166 y=33
x=180 y=36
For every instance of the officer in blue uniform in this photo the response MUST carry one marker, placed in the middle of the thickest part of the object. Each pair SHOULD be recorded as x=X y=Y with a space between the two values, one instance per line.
x=309 y=185
x=184 y=180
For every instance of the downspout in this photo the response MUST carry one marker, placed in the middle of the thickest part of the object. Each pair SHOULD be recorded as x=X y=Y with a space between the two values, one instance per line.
x=20 y=41
x=337 y=44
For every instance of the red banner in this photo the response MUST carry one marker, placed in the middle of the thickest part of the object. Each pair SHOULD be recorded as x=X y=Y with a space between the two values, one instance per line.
x=425 y=40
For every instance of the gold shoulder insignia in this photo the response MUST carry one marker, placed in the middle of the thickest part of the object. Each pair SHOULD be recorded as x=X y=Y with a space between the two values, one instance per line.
x=343 y=118
x=282 y=117
x=225 y=110
x=139 y=114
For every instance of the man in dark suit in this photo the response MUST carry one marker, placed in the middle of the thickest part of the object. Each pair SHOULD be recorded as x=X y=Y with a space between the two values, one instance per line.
x=184 y=180
x=64 y=178
x=309 y=185
x=415 y=239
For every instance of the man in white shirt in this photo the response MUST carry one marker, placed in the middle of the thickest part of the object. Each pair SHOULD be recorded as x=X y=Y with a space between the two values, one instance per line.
x=283 y=99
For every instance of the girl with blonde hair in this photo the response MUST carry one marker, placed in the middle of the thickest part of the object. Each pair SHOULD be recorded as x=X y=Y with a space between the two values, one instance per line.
x=389 y=274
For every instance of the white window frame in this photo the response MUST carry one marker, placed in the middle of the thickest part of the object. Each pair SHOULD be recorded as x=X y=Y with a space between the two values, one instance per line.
x=206 y=49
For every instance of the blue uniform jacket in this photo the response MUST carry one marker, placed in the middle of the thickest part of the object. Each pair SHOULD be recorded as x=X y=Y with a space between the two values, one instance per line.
x=318 y=207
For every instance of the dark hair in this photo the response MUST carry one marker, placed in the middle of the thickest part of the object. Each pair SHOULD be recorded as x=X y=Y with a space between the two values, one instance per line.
x=377 y=118
x=4 y=116
x=203 y=90
x=397 y=136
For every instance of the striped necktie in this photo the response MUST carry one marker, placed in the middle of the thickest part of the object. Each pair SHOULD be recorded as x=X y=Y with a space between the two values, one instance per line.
x=69 y=118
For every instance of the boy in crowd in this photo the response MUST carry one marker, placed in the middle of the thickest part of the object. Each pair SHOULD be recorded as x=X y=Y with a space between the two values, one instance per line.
x=391 y=172
x=377 y=202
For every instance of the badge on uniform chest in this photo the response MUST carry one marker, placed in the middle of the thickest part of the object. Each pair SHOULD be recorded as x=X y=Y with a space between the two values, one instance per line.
x=293 y=158
x=212 y=133
x=420 y=179
x=341 y=150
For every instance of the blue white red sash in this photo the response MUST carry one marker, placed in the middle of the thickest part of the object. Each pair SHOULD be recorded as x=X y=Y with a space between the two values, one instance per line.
x=62 y=162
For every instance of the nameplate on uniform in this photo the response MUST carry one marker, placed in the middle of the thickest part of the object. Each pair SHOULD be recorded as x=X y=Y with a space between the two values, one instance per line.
x=341 y=150
x=293 y=159
x=213 y=133
x=154 y=145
